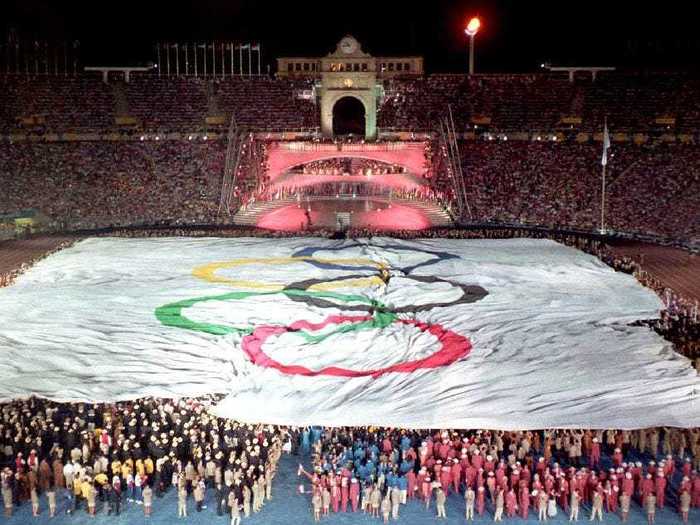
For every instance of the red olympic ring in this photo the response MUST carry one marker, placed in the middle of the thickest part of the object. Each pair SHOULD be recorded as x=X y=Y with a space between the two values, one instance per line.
x=452 y=347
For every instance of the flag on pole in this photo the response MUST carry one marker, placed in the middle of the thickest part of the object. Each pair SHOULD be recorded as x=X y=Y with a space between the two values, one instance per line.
x=256 y=47
x=247 y=48
x=606 y=145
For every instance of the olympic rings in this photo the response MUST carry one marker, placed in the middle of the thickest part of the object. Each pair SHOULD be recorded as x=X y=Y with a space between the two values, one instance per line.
x=452 y=345
x=317 y=293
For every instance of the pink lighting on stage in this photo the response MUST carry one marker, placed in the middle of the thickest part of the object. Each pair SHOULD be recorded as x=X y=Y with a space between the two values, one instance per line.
x=281 y=157
x=402 y=181
x=367 y=213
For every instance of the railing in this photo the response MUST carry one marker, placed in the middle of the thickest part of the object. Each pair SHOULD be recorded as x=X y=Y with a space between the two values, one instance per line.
x=87 y=229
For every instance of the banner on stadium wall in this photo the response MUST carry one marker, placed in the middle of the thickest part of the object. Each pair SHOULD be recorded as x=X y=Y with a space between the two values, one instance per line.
x=571 y=120
x=32 y=120
x=480 y=120
x=438 y=333
x=305 y=94
x=666 y=121
x=126 y=121
x=216 y=120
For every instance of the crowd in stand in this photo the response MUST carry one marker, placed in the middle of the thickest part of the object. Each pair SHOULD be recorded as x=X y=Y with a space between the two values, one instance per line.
x=505 y=102
x=521 y=473
x=96 y=184
x=81 y=104
x=653 y=190
x=41 y=104
x=65 y=457
x=650 y=190
x=541 y=102
x=7 y=230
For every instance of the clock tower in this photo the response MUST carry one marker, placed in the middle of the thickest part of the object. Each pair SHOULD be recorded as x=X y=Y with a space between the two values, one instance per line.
x=348 y=72
x=349 y=77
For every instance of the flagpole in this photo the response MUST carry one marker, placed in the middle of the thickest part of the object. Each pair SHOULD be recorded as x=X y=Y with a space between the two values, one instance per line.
x=167 y=50
x=187 y=60
x=602 y=202
x=604 y=165
x=250 y=62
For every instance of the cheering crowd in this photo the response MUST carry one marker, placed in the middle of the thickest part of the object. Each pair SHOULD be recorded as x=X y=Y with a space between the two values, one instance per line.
x=68 y=457
x=377 y=470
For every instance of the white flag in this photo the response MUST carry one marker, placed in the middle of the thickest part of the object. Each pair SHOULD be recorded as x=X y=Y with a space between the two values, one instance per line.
x=513 y=333
x=606 y=145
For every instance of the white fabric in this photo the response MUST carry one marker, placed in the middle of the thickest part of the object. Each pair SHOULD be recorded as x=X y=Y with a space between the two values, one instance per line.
x=606 y=145
x=551 y=341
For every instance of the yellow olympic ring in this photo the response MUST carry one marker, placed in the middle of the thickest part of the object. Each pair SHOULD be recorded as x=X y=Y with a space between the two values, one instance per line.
x=207 y=272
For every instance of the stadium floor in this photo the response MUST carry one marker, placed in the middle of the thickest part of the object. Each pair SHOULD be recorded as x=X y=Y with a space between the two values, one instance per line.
x=288 y=507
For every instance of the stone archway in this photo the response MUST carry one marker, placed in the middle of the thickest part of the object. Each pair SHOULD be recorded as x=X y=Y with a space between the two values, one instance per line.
x=349 y=115
x=365 y=97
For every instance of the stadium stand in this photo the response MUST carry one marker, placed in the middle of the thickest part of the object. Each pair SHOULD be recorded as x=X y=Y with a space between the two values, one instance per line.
x=108 y=182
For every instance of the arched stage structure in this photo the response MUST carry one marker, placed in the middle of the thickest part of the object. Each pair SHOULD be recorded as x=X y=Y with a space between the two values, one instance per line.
x=282 y=156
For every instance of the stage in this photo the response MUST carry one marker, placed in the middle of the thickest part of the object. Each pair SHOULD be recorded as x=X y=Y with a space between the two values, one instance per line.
x=378 y=213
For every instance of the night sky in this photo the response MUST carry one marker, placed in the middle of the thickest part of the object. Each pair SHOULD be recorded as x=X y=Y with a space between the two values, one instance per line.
x=517 y=35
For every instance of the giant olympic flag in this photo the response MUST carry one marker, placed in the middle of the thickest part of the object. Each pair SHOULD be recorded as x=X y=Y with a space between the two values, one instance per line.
x=504 y=334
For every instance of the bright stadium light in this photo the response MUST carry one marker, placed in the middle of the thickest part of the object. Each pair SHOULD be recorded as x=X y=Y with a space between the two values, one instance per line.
x=471 y=30
x=473 y=26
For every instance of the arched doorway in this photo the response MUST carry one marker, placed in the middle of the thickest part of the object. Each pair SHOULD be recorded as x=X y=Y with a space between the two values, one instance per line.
x=349 y=117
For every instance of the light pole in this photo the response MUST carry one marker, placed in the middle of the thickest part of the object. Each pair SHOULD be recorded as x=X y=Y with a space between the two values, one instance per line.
x=471 y=30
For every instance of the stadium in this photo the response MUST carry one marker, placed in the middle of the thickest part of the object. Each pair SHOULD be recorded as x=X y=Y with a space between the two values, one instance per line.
x=346 y=285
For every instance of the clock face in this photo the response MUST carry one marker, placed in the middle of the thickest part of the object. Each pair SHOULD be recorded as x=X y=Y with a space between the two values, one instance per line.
x=348 y=45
